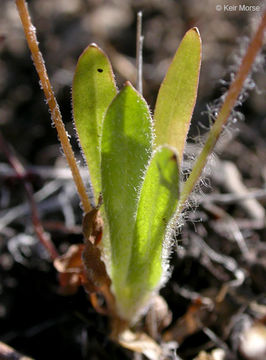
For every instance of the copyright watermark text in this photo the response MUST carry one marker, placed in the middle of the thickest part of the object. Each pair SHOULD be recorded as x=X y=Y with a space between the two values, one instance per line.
x=240 y=7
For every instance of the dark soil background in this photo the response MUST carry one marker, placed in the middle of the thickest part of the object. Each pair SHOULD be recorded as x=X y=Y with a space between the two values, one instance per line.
x=217 y=290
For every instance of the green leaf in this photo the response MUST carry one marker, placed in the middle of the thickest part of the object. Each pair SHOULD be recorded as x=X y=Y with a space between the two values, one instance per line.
x=177 y=95
x=92 y=92
x=157 y=205
x=126 y=149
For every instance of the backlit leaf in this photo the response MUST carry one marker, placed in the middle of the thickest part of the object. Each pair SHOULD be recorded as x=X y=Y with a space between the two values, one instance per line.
x=177 y=95
x=126 y=149
x=92 y=92
x=157 y=205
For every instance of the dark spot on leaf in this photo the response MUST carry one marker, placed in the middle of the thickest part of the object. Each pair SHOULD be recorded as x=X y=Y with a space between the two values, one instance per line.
x=174 y=157
x=100 y=70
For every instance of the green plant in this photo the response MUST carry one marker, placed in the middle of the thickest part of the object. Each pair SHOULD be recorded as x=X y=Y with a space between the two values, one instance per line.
x=139 y=176
x=135 y=166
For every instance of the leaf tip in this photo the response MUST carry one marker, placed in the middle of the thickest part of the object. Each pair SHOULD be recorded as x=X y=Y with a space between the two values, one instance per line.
x=196 y=30
x=94 y=45
x=128 y=83
x=90 y=47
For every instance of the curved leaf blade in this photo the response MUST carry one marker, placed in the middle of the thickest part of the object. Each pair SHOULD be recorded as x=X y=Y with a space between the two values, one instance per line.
x=157 y=205
x=92 y=92
x=177 y=95
x=126 y=148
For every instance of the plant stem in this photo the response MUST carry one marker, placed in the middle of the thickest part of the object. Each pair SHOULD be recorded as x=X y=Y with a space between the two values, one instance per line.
x=139 y=50
x=30 y=34
x=224 y=113
x=20 y=173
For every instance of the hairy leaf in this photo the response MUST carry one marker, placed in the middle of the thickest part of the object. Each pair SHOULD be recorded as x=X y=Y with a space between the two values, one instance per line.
x=157 y=205
x=92 y=92
x=126 y=149
x=177 y=95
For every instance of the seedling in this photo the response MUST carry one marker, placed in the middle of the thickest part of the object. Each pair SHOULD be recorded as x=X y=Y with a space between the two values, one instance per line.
x=135 y=165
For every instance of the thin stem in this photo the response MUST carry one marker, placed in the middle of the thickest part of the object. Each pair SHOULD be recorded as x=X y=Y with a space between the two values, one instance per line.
x=20 y=173
x=224 y=113
x=30 y=34
x=139 y=57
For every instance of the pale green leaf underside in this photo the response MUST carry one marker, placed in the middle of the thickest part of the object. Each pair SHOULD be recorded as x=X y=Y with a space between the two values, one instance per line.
x=177 y=95
x=157 y=205
x=126 y=149
x=92 y=92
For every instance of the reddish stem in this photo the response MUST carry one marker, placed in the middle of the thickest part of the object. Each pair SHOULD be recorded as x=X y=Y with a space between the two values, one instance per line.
x=51 y=100
x=224 y=113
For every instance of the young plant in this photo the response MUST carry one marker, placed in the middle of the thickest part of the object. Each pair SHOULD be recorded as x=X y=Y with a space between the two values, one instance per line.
x=135 y=165
x=139 y=178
